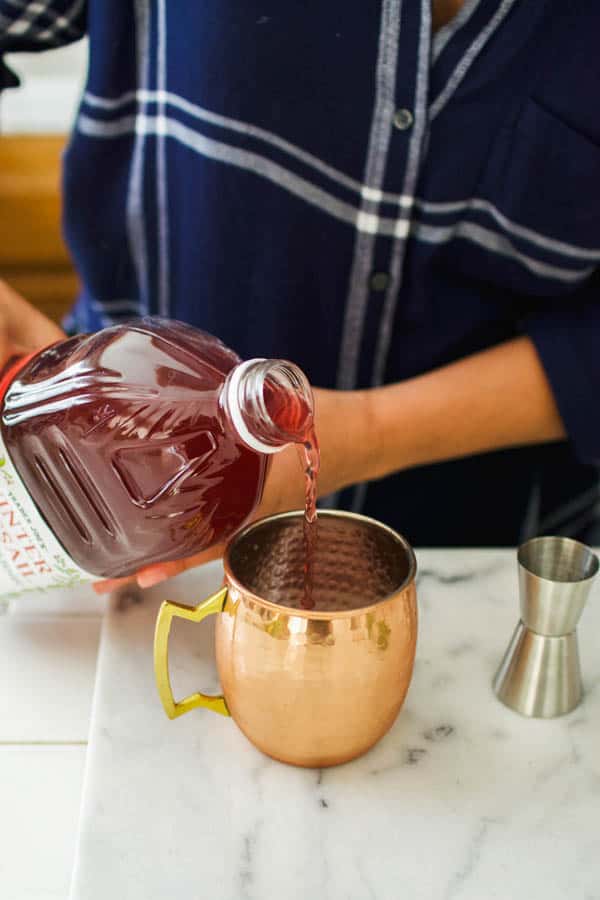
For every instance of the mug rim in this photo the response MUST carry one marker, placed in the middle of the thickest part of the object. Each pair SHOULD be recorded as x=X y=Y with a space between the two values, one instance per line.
x=235 y=584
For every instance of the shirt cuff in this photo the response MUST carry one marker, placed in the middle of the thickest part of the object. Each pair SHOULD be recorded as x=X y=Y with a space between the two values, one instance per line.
x=567 y=339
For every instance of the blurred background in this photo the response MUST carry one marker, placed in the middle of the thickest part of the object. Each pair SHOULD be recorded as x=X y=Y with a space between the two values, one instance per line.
x=35 y=120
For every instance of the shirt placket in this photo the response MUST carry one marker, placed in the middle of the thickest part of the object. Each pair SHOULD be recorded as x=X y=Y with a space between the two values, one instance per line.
x=396 y=141
x=393 y=206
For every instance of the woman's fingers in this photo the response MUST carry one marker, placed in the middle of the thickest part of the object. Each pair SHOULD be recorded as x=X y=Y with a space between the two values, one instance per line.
x=158 y=572
x=154 y=574
x=23 y=325
x=112 y=584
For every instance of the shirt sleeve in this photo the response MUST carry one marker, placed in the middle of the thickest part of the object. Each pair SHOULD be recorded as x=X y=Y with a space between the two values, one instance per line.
x=32 y=25
x=566 y=334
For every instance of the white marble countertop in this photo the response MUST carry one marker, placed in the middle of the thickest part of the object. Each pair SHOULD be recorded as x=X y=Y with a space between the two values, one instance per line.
x=48 y=649
x=462 y=799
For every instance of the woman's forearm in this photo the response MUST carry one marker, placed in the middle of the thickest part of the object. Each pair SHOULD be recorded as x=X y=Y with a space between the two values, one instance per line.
x=497 y=398
x=493 y=399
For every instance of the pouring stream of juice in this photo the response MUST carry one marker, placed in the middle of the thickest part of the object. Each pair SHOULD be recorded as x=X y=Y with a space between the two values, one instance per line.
x=294 y=416
x=311 y=460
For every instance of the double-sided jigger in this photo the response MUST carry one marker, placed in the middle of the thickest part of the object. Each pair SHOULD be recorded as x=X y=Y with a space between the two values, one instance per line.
x=540 y=675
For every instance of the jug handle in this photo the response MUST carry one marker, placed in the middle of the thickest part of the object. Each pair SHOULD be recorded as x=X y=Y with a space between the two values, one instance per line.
x=167 y=612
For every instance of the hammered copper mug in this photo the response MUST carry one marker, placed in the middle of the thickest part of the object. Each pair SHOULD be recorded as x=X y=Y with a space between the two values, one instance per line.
x=307 y=687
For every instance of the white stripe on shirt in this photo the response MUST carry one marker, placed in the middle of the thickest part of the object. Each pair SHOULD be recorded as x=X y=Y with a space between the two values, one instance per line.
x=366 y=191
x=316 y=196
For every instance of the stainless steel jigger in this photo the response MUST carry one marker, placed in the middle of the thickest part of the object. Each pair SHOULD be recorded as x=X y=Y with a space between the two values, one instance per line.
x=540 y=675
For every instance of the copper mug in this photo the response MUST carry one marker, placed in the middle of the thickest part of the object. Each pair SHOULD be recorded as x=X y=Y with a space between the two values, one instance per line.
x=309 y=687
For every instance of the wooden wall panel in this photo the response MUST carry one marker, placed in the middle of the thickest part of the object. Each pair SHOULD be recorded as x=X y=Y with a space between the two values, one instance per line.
x=33 y=257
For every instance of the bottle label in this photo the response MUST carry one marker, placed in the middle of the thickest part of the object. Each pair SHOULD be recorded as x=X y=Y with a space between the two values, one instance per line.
x=31 y=558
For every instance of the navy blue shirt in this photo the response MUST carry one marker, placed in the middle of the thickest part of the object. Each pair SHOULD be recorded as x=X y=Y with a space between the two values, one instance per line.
x=329 y=182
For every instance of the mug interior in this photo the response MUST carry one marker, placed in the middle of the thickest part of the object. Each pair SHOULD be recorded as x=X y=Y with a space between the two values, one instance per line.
x=357 y=561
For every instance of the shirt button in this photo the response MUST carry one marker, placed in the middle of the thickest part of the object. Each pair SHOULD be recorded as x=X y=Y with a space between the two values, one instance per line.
x=379 y=281
x=403 y=119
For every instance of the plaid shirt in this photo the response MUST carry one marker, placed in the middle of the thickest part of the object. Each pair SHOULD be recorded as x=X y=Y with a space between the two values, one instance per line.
x=330 y=183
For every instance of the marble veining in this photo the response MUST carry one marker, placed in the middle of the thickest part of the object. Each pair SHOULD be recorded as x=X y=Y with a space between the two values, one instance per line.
x=462 y=800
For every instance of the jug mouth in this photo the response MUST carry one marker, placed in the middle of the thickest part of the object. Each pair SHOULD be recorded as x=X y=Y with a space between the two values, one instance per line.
x=246 y=547
x=558 y=559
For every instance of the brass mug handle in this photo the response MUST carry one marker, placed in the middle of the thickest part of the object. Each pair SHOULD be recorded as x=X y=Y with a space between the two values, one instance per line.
x=167 y=612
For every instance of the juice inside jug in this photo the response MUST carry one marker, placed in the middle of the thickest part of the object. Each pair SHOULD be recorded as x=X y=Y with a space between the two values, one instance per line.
x=122 y=442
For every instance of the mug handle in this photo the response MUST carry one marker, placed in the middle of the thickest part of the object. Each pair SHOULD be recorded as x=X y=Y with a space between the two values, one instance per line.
x=167 y=612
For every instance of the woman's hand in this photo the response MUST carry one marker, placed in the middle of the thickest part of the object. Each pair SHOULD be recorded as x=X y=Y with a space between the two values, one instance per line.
x=342 y=422
x=23 y=329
